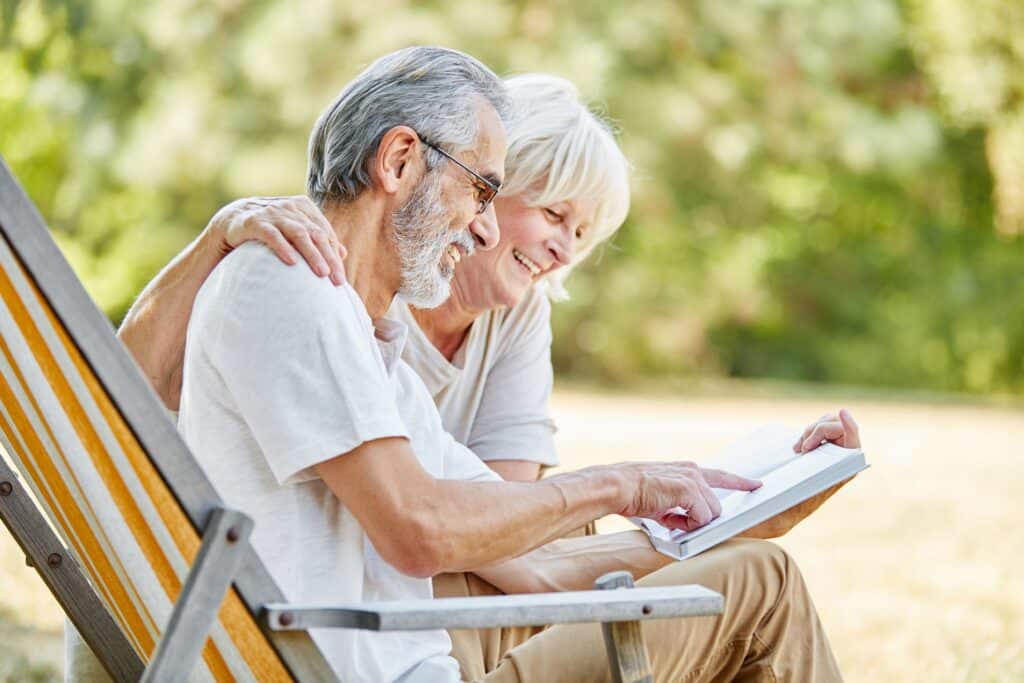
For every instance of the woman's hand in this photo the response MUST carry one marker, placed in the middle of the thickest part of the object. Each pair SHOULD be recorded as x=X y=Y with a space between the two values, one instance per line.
x=838 y=429
x=290 y=226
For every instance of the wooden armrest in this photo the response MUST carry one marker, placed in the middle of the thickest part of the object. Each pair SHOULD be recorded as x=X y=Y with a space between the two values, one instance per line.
x=537 y=609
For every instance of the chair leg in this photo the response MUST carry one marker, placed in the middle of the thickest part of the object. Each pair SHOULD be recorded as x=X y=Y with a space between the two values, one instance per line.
x=624 y=640
x=224 y=540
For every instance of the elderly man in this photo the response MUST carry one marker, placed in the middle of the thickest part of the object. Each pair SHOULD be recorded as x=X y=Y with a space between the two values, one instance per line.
x=298 y=405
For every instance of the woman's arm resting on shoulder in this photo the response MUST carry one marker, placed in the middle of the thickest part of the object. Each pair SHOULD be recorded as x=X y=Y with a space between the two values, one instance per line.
x=155 y=326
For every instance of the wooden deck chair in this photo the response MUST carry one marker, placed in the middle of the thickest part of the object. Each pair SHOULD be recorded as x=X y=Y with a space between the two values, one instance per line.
x=122 y=525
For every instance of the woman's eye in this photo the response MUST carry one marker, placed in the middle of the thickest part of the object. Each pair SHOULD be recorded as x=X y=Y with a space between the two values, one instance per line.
x=553 y=215
x=580 y=232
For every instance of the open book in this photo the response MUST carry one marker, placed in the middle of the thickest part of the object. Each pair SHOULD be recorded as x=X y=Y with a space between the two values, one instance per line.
x=788 y=479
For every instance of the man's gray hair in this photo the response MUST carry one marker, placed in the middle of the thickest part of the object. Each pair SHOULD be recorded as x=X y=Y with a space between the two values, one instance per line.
x=433 y=90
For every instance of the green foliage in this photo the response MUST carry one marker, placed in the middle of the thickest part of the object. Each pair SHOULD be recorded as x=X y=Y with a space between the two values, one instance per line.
x=813 y=195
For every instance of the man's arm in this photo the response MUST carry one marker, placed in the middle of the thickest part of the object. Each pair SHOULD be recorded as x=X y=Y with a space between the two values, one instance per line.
x=424 y=526
x=155 y=326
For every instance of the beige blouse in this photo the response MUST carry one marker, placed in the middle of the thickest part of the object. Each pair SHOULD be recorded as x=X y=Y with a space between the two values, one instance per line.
x=493 y=395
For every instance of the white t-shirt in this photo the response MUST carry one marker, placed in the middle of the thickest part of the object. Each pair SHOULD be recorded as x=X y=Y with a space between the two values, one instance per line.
x=493 y=395
x=283 y=370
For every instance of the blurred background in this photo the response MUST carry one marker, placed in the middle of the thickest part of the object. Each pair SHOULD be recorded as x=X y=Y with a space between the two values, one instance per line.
x=828 y=209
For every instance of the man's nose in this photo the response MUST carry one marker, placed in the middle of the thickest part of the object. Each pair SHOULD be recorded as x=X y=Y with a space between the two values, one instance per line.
x=485 y=229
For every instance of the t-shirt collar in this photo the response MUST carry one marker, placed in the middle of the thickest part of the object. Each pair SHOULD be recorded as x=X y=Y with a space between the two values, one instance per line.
x=433 y=368
x=391 y=336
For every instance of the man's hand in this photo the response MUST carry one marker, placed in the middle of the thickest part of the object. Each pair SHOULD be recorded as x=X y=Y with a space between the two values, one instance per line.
x=290 y=226
x=660 y=488
x=829 y=428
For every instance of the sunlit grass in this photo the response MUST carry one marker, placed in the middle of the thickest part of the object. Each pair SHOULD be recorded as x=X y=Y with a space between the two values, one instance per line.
x=914 y=566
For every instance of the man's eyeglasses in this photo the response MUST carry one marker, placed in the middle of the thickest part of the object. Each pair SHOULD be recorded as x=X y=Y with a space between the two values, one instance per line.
x=489 y=189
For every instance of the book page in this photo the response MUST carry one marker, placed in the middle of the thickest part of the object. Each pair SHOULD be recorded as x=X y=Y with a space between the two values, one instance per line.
x=756 y=455
x=759 y=453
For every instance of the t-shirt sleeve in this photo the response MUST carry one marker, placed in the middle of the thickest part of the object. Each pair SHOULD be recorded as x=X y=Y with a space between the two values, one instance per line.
x=513 y=421
x=298 y=358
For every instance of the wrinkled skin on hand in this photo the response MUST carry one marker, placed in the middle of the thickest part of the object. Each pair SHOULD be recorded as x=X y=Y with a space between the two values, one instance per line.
x=659 y=487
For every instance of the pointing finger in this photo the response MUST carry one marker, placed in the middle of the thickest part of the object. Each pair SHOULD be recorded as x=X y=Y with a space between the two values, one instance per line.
x=727 y=480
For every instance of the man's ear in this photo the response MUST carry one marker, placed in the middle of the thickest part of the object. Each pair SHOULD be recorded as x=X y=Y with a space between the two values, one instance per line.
x=398 y=158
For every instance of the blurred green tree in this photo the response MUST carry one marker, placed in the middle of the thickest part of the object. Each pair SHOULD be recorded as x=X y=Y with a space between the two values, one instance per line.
x=816 y=193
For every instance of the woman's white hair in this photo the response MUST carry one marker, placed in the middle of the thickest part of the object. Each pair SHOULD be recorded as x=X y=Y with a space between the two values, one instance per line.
x=559 y=150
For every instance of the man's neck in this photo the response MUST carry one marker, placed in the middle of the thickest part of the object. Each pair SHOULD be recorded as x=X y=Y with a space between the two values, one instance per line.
x=371 y=267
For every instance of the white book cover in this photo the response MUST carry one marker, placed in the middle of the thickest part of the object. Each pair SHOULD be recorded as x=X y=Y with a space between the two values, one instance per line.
x=788 y=478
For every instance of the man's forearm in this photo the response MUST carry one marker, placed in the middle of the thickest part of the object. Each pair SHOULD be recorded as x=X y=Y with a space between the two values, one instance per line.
x=514 y=518
x=424 y=526
x=154 y=328
x=575 y=563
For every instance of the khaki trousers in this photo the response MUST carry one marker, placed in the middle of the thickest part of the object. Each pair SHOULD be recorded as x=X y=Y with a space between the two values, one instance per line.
x=769 y=631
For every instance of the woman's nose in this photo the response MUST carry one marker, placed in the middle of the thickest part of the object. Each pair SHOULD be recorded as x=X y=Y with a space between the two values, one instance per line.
x=561 y=247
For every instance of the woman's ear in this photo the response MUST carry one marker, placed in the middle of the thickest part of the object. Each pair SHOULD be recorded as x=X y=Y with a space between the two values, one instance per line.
x=397 y=159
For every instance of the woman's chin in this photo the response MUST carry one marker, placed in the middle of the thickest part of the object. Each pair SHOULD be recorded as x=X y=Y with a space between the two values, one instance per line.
x=506 y=298
x=512 y=298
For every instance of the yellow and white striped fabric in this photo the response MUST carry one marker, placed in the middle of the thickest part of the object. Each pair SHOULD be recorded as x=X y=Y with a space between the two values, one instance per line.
x=100 y=489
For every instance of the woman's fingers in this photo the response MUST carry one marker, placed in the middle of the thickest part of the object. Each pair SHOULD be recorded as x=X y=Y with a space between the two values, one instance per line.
x=827 y=417
x=300 y=237
x=328 y=246
x=292 y=227
x=824 y=431
x=273 y=238
x=839 y=428
x=851 y=432
x=324 y=237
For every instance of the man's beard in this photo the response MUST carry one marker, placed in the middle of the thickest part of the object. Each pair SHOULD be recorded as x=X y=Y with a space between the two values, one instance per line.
x=422 y=237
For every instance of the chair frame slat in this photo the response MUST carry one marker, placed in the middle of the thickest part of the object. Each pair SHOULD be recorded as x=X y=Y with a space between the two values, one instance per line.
x=226 y=536
x=63 y=575
x=532 y=609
